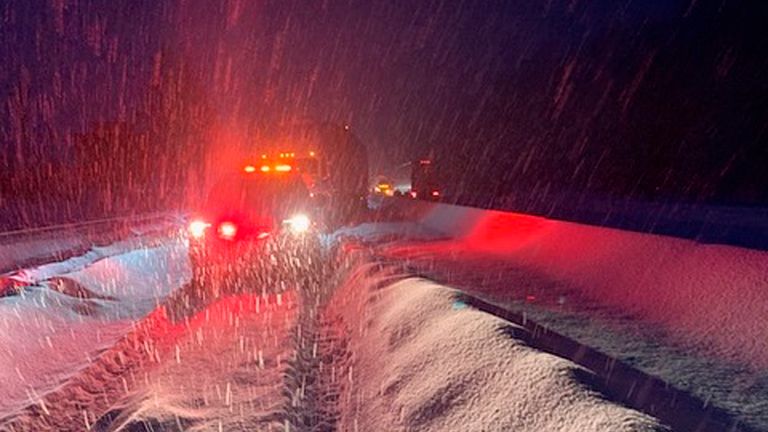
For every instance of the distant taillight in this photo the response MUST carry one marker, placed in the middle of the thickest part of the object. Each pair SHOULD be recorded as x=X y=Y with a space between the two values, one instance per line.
x=197 y=228
x=227 y=230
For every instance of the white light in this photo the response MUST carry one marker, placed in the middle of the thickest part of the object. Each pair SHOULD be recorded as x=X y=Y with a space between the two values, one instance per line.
x=299 y=223
x=227 y=230
x=197 y=228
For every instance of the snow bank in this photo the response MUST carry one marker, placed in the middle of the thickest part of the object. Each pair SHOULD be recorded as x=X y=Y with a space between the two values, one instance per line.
x=384 y=231
x=56 y=326
x=27 y=248
x=714 y=296
x=422 y=361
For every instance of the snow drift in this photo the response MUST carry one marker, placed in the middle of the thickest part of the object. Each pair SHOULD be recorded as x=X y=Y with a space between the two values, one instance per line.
x=422 y=361
x=715 y=296
x=61 y=320
x=686 y=312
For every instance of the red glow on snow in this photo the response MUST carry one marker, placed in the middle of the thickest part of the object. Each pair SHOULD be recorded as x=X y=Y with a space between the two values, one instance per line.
x=707 y=293
x=506 y=230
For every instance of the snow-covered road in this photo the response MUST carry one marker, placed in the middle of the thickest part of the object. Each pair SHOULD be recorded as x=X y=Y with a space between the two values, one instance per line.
x=360 y=344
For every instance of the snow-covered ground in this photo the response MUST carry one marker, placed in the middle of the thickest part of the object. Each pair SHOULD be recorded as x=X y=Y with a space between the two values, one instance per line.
x=690 y=313
x=71 y=311
x=222 y=369
x=416 y=358
x=29 y=247
x=423 y=361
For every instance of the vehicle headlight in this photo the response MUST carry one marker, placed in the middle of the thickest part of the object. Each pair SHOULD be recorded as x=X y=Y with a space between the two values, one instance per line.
x=299 y=223
x=197 y=228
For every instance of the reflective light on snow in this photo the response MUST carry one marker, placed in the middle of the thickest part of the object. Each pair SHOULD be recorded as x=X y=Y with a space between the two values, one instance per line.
x=587 y=129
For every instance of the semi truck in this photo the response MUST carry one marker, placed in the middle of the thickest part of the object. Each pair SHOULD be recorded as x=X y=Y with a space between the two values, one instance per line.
x=424 y=183
x=330 y=159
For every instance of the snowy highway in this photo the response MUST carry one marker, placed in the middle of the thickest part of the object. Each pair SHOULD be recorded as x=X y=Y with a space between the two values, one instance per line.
x=367 y=333
x=365 y=216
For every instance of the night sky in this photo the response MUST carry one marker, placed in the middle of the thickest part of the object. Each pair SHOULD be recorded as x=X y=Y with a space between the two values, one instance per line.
x=642 y=99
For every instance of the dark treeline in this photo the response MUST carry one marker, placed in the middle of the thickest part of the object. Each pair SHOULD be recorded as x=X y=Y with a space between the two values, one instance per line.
x=672 y=108
x=151 y=160
x=649 y=100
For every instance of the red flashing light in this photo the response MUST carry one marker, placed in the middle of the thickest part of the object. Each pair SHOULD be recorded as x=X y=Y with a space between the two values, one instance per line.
x=435 y=193
x=227 y=230
x=265 y=168
x=249 y=168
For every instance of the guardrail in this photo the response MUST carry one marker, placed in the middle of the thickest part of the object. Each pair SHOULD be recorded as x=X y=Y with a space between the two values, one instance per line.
x=30 y=247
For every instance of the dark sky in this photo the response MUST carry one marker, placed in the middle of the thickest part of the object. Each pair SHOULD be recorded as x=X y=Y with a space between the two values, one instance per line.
x=642 y=98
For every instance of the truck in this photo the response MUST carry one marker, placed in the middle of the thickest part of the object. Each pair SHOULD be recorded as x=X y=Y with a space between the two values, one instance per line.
x=424 y=183
x=331 y=160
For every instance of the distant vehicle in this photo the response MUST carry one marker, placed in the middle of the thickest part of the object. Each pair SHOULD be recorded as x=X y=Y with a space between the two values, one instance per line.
x=384 y=187
x=244 y=212
x=424 y=184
